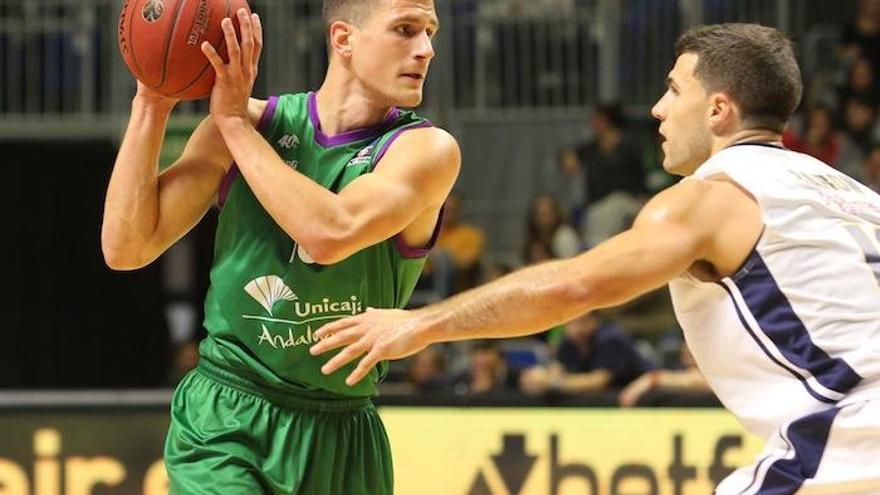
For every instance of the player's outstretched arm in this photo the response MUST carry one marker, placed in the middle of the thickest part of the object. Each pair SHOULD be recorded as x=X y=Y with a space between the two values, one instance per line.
x=144 y=211
x=685 y=224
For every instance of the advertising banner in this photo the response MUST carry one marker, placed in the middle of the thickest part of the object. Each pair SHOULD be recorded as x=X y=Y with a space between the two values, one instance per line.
x=437 y=451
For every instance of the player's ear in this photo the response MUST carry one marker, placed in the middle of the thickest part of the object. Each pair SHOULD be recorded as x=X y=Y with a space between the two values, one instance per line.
x=340 y=38
x=722 y=111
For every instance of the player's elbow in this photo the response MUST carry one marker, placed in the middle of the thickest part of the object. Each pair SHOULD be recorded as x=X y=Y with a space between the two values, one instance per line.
x=332 y=242
x=324 y=254
x=119 y=261
x=324 y=248
x=119 y=257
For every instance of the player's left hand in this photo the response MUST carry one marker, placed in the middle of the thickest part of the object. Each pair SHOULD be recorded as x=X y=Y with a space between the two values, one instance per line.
x=380 y=334
x=234 y=81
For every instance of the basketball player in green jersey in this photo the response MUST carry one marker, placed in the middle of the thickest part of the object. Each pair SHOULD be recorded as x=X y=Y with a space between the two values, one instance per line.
x=330 y=207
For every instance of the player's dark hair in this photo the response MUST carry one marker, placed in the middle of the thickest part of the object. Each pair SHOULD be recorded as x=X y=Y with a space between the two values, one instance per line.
x=755 y=65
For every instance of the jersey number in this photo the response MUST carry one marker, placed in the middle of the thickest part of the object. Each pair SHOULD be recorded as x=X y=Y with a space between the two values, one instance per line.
x=869 y=240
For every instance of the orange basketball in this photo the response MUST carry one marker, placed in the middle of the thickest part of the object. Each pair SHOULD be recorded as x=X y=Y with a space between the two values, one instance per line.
x=161 y=42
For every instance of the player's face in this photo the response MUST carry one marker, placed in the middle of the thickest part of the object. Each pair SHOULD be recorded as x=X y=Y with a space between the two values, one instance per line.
x=394 y=49
x=683 y=112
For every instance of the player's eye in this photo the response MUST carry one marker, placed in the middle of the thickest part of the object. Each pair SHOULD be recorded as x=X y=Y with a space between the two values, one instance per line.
x=404 y=30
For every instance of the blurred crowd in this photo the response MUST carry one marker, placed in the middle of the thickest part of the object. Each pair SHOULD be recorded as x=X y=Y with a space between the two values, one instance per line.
x=593 y=189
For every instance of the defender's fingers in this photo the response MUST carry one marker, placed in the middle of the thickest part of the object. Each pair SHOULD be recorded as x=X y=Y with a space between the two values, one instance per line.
x=336 y=327
x=344 y=357
x=334 y=341
x=363 y=368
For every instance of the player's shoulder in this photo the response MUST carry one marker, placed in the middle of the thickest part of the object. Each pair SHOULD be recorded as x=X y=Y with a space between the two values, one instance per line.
x=429 y=145
x=432 y=138
x=706 y=201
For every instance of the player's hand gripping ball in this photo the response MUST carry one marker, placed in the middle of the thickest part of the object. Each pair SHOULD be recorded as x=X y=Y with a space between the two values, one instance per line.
x=161 y=42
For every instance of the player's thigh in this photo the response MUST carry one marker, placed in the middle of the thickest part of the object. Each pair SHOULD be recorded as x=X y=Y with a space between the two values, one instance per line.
x=352 y=457
x=210 y=447
x=213 y=476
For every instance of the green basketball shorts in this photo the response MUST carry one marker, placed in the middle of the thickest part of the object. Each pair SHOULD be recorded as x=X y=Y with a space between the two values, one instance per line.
x=226 y=437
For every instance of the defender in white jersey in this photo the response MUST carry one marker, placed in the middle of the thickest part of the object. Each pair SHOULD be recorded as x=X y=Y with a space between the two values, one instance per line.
x=773 y=261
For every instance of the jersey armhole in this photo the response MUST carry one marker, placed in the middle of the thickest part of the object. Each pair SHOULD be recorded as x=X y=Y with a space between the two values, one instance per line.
x=233 y=173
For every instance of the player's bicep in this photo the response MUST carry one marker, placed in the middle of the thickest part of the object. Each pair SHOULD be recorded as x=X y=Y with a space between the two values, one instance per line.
x=662 y=244
x=640 y=260
x=380 y=206
x=416 y=173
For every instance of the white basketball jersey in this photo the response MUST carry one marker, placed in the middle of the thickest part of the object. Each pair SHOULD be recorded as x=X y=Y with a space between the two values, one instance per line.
x=798 y=326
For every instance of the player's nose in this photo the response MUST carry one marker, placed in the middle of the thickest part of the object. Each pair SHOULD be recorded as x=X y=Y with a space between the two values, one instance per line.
x=658 y=111
x=425 y=47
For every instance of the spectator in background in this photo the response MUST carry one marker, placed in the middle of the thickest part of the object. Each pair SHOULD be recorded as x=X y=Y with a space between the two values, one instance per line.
x=660 y=387
x=185 y=357
x=427 y=371
x=861 y=82
x=562 y=177
x=592 y=356
x=496 y=270
x=487 y=371
x=862 y=36
x=871 y=167
x=821 y=139
x=615 y=181
x=536 y=252
x=859 y=121
x=463 y=243
x=548 y=231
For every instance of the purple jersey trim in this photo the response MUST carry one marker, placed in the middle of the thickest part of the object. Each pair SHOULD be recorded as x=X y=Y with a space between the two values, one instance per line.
x=264 y=121
x=396 y=134
x=349 y=136
x=268 y=113
x=410 y=252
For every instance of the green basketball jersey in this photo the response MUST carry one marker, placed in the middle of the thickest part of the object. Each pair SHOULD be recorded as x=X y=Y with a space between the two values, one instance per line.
x=267 y=296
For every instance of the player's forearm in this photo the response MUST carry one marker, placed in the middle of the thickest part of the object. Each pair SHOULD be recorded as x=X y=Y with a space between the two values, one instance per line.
x=542 y=296
x=131 y=205
x=522 y=303
x=308 y=212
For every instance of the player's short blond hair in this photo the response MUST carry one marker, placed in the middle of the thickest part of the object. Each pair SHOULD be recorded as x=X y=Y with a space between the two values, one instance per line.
x=351 y=11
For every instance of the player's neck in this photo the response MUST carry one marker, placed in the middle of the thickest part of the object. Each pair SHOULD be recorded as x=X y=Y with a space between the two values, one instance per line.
x=746 y=136
x=344 y=106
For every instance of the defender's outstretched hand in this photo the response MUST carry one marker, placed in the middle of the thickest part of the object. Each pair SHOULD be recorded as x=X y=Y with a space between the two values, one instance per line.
x=235 y=81
x=380 y=334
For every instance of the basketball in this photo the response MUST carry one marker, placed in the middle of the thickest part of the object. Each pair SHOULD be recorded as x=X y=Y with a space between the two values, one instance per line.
x=161 y=40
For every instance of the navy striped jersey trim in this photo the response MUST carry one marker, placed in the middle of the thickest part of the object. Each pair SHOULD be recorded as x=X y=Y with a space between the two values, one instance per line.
x=808 y=437
x=778 y=321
